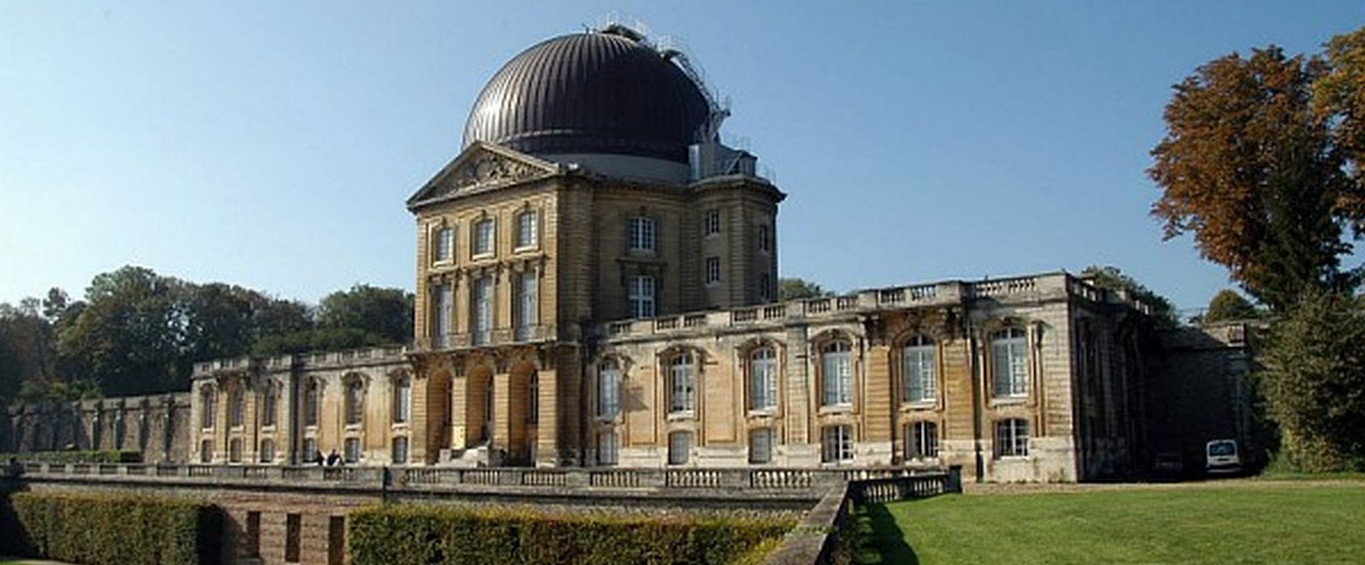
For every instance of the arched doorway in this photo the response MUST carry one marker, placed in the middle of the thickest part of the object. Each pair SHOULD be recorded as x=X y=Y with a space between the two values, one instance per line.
x=440 y=415
x=524 y=412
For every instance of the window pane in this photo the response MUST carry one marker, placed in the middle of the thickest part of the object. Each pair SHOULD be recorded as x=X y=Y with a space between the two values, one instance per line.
x=608 y=390
x=483 y=310
x=761 y=445
x=679 y=447
x=837 y=376
x=681 y=387
x=526 y=229
x=606 y=448
x=763 y=380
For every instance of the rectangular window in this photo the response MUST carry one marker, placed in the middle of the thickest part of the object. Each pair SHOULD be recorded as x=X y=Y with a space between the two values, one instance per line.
x=443 y=248
x=712 y=270
x=400 y=451
x=441 y=299
x=270 y=400
x=763 y=380
x=609 y=390
x=310 y=403
x=355 y=402
x=528 y=305
x=235 y=450
x=642 y=296
x=209 y=400
x=482 y=310
x=679 y=447
x=641 y=234
x=352 y=449
x=765 y=287
x=836 y=444
x=921 y=441
x=712 y=226
x=206 y=451
x=918 y=367
x=293 y=527
x=761 y=446
x=837 y=375
x=765 y=240
x=606 y=448
x=1009 y=363
x=681 y=398
x=236 y=408
x=267 y=454
x=402 y=400
x=527 y=230
x=483 y=237
x=1011 y=438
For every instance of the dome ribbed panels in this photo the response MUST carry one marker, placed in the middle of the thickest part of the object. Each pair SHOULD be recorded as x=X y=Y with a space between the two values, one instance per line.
x=589 y=93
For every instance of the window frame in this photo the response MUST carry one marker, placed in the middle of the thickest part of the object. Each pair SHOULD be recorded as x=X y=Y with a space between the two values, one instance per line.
x=483 y=239
x=312 y=402
x=763 y=380
x=682 y=393
x=836 y=386
x=711 y=223
x=836 y=444
x=270 y=404
x=608 y=456
x=642 y=296
x=919 y=370
x=353 y=403
x=922 y=440
x=641 y=234
x=527 y=305
x=712 y=271
x=482 y=303
x=609 y=381
x=208 y=397
x=1012 y=439
x=266 y=452
x=1013 y=383
x=236 y=407
x=394 y=450
x=442 y=244
x=764 y=456
x=351 y=450
x=402 y=399
x=528 y=231
x=680 y=447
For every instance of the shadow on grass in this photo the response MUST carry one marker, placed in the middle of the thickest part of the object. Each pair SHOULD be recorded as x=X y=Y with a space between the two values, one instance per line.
x=887 y=538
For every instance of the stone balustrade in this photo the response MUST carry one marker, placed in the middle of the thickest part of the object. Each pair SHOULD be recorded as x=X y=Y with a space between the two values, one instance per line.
x=438 y=478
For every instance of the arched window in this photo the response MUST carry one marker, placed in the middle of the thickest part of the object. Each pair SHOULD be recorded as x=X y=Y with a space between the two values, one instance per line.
x=1009 y=363
x=310 y=403
x=402 y=399
x=267 y=454
x=918 y=368
x=679 y=447
x=208 y=400
x=355 y=401
x=236 y=407
x=763 y=379
x=608 y=389
x=836 y=374
x=682 y=394
x=270 y=404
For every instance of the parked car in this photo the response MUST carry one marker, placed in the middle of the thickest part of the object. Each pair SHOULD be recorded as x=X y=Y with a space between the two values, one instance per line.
x=1221 y=456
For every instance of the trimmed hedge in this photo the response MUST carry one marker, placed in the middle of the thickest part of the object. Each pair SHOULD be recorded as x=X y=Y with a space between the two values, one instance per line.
x=109 y=530
x=64 y=457
x=423 y=535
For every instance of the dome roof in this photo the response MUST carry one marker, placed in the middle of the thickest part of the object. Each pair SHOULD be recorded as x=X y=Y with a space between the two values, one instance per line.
x=590 y=93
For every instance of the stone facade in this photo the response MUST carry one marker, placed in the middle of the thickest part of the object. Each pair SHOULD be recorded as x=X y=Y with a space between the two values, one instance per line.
x=155 y=425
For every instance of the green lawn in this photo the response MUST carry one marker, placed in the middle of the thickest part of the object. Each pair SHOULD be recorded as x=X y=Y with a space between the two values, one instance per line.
x=1251 y=523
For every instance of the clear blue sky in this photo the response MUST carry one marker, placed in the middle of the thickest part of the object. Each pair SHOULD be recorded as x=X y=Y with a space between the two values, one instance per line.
x=272 y=144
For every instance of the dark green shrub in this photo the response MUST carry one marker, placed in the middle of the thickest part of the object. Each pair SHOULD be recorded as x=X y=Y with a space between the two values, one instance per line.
x=64 y=457
x=422 y=535
x=110 y=530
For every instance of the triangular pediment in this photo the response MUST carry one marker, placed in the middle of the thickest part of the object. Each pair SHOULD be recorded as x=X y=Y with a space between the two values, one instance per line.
x=480 y=167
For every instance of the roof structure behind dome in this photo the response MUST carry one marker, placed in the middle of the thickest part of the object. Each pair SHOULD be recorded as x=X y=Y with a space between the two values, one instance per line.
x=590 y=93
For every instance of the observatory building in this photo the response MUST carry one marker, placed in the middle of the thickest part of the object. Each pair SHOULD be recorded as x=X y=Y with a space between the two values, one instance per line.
x=596 y=283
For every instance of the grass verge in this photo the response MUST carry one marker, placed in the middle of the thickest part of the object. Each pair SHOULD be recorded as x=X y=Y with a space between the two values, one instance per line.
x=1250 y=524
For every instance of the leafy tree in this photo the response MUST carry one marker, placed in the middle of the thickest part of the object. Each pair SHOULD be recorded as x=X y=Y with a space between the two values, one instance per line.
x=1314 y=382
x=1112 y=278
x=1250 y=169
x=384 y=312
x=1339 y=99
x=128 y=338
x=1228 y=305
x=796 y=288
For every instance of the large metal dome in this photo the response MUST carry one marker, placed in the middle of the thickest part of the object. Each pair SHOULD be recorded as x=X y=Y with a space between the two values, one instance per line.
x=590 y=93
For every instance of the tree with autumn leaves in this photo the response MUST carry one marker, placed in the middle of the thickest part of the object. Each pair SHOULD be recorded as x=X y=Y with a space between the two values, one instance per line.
x=1264 y=164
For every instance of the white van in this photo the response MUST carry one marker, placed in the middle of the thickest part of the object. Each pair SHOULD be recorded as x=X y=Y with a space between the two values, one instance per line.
x=1221 y=456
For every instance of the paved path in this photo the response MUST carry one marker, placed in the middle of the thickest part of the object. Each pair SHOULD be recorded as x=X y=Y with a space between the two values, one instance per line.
x=1046 y=488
